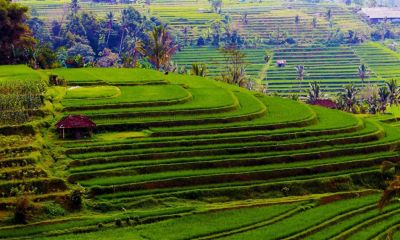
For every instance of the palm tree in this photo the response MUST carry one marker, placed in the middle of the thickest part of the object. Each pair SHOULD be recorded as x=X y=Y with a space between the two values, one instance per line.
x=314 y=22
x=329 y=15
x=161 y=47
x=314 y=92
x=348 y=99
x=74 y=7
x=383 y=99
x=301 y=72
x=110 y=18
x=297 y=21
x=199 y=69
x=394 y=92
x=185 y=34
x=362 y=72
x=123 y=29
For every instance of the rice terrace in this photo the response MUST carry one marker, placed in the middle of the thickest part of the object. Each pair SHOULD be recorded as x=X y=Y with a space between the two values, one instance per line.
x=199 y=119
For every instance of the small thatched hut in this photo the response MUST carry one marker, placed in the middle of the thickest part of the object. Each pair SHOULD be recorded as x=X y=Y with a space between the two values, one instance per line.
x=75 y=126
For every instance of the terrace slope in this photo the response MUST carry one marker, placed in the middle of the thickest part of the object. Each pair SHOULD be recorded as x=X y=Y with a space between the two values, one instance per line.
x=176 y=149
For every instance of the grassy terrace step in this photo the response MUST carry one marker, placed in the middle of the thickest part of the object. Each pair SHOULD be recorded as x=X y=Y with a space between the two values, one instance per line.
x=340 y=134
x=108 y=75
x=297 y=185
x=389 y=142
x=371 y=227
x=329 y=232
x=370 y=133
x=268 y=169
x=329 y=123
x=234 y=219
x=321 y=152
x=138 y=96
x=251 y=108
x=216 y=178
x=202 y=103
x=87 y=223
x=306 y=219
x=281 y=113
x=41 y=185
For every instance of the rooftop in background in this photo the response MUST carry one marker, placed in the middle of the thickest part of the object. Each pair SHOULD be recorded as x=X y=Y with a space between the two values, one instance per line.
x=380 y=13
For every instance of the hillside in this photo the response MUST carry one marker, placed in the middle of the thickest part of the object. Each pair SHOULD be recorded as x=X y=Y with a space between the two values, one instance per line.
x=174 y=150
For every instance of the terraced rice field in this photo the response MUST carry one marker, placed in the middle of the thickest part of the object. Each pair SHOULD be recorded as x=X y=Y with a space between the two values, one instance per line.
x=355 y=218
x=268 y=20
x=332 y=67
x=21 y=166
x=381 y=60
x=172 y=150
x=215 y=61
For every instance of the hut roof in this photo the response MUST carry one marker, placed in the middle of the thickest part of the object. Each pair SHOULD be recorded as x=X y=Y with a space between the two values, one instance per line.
x=75 y=121
x=381 y=12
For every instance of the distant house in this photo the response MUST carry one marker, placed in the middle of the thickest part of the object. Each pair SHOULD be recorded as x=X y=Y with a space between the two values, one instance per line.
x=379 y=14
x=281 y=63
x=75 y=126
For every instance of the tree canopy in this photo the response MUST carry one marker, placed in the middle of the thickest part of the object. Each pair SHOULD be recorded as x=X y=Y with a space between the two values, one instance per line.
x=15 y=36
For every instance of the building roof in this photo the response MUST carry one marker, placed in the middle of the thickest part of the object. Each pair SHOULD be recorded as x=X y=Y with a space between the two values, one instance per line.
x=325 y=103
x=381 y=12
x=75 y=121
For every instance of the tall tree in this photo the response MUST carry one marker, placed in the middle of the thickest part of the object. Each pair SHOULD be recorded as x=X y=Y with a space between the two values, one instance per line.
x=297 y=21
x=235 y=65
x=301 y=73
x=74 y=7
x=348 y=100
x=216 y=5
x=161 y=48
x=314 y=92
x=110 y=19
x=15 y=36
x=394 y=92
x=362 y=72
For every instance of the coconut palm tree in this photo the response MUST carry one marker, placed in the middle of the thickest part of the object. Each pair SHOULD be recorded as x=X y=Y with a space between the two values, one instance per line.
x=199 y=69
x=362 y=72
x=161 y=47
x=314 y=92
x=297 y=21
x=394 y=92
x=301 y=72
x=348 y=99
x=110 y=18
x=314 y=22
x=383 y=99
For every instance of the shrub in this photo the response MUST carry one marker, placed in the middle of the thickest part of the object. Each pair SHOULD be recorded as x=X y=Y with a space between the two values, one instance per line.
x=53 y=210
x=118 y=222
x=22 y=209
x=76 y=198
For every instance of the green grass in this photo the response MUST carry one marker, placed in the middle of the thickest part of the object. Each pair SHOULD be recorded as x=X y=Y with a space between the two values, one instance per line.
x=304 y=219
x=108 y=75
x=18 y=72
x=334 y=230
x=127 y=95
x=92 y=92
